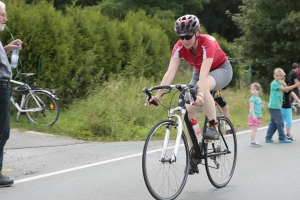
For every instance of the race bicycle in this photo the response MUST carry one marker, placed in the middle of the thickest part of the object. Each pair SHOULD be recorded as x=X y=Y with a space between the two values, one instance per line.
x=167 y=155
x=39 y=105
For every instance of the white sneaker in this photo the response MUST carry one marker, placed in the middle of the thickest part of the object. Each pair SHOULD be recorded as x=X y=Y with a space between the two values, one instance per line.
x=290 y=137
x=255 y=144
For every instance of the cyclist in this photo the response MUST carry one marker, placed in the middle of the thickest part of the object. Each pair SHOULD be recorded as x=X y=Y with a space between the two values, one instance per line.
x=212 y=70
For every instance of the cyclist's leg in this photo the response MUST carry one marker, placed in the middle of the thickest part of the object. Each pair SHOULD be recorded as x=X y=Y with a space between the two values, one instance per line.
x=226 y=111
x=208 y=99
x=192 y=110
x=209 y=102
x=208 y=106
x=216 y=80
x=219 y=99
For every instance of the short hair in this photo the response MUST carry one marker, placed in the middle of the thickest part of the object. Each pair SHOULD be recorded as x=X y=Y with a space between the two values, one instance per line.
x=279 y=70
x=2 y=5
x=257 y=86
x=294 y=65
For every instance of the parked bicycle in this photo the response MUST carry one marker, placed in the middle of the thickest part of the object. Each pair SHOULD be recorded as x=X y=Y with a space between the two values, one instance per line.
x=167 y=154
x=40 y=105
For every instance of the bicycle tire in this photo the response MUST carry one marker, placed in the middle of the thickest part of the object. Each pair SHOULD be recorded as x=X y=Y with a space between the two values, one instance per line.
x=220 y=168
x=50 y=113
x=165 y=180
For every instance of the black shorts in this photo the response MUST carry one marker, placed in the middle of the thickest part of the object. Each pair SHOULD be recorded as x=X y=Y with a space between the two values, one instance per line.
x=218 y=97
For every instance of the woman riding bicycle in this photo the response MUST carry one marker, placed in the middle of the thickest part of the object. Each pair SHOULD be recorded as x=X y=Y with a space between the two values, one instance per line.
x=212 y=70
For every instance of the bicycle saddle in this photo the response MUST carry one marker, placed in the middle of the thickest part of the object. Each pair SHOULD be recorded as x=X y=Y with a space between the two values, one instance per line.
x=22 y=89
x=27 y=74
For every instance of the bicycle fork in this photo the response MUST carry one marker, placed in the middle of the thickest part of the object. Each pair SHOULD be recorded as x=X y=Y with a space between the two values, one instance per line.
x=166 y=141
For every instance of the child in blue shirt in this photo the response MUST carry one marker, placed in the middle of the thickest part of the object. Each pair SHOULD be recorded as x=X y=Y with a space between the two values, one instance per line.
x=275 y=104
x=255 y=113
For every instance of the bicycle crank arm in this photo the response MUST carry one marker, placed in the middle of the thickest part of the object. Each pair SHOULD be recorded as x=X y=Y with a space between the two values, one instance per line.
x=218 y=154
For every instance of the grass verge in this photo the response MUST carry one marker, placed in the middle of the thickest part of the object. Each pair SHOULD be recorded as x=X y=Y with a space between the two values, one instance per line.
x=115 y=111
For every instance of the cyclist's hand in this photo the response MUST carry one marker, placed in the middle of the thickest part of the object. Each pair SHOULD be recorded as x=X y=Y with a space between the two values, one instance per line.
x=199 y=101
x=153 y=98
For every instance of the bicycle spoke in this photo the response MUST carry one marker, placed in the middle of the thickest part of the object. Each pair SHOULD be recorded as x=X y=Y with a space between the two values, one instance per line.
x=50 y=108
x=220 y=168
x=164 y=180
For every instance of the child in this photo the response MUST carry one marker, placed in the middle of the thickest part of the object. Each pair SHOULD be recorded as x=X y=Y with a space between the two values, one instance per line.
x=286 y=111
x=276 y=99
x=255 y=115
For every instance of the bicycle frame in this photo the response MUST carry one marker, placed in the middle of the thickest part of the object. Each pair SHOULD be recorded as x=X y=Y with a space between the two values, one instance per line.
x=171 y=154
x=199 y=154
x=180 y=119
x=34 y=96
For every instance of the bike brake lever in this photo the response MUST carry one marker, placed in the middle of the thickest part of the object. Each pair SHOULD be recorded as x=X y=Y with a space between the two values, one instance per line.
x=149 y=94
x=166 y=92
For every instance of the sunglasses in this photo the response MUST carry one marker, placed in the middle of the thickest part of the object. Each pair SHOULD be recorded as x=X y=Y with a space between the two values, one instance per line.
x=186 y=37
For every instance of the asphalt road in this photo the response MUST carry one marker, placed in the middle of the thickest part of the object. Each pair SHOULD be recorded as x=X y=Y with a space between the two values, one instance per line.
x=48 y=167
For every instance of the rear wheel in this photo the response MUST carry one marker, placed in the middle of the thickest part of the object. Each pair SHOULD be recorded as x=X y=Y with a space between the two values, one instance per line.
x=220 y=168
x=165 y=179
x=50 y=108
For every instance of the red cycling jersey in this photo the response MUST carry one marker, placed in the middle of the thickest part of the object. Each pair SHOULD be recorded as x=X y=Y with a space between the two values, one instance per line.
x=208 y=47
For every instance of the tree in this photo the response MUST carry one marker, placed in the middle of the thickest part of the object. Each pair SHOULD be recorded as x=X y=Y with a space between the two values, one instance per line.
x=162 y=8
x=215 y=19
x=270 y=36
x=61 y=4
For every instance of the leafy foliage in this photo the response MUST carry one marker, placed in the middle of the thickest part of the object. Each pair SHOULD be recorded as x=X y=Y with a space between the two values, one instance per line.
x=214 y=18
x=270 y=36
x=115 y=111
x=162 y=8
x=77 y=54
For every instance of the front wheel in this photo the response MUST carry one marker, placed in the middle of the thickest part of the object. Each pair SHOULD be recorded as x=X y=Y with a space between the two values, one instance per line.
x=165 y=179
x=221 y=155
x=50 y=108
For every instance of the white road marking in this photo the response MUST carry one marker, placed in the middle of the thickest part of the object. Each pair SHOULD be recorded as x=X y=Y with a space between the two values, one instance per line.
x=100 y=163
x=75 y=168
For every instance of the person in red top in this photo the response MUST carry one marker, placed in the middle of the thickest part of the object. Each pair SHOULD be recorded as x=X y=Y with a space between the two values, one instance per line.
x=212 y=70
x=298 y=72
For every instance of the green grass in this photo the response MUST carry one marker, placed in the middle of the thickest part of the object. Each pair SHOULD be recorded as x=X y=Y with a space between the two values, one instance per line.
x=115 y=111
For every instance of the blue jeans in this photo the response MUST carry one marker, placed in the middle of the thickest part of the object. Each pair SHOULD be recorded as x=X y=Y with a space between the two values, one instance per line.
x=5 y=92
x=275 y=124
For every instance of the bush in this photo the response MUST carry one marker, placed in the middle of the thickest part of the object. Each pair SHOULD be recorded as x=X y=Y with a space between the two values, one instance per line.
x=79 y=49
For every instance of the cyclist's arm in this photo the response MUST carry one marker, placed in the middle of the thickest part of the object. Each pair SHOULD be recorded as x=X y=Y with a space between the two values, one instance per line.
x=169 y=75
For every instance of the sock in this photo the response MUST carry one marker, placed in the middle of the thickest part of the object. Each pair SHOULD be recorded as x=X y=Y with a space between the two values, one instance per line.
x=228 y=127
x=212 y=123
